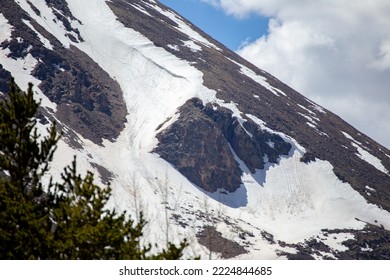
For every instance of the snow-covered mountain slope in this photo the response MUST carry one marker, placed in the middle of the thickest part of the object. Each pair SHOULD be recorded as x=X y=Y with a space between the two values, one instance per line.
x=210 y=147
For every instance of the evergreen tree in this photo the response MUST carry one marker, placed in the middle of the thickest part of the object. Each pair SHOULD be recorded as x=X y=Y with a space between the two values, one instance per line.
x=62 y=220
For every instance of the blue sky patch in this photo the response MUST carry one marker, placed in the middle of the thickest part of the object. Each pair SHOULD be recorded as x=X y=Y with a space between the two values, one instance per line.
x=228 y=30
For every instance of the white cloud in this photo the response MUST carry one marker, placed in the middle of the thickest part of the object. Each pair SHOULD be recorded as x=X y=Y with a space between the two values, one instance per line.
x=383 y=59
x=336 y=52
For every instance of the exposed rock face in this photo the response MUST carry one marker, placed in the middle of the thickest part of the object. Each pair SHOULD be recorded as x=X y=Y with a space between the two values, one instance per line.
x=5 y=76
x=196 y=146
x=251 y=144
x=200 y=146
x=215 y=242
x=88 y=99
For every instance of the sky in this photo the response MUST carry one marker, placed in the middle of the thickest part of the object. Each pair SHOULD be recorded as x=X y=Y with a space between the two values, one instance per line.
x=335 y=52
x=227 y=29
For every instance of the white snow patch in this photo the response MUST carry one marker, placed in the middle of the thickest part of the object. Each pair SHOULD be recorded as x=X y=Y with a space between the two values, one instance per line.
x=44 y=41
x=373 y=160
x=141 y=9
x=350 y=137
x=366 y=248
x=303 y=107
x=192 y=46
x=232 y=107
x=334 y=240
x=309 y=118
x=260 y=80
x=316 y=107
x=21 y=71
x=271 y=144
x=173 y=47
x=5 y=29
x=313 y=115
x=365 y=155
x=311 y=125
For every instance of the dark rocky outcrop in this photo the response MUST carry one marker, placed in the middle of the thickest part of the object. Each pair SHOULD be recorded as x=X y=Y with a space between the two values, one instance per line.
x=88 y=100
x=200 y=146
x=216 y=243
x=5 y=78
x=196 y=146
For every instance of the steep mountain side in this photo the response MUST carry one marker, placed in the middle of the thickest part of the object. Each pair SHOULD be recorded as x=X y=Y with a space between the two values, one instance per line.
x=86 y=97
x=319 y=131
x=210 y=146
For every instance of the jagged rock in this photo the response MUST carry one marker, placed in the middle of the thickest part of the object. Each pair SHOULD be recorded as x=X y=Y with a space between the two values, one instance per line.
x=200 y=146
x=196 y=146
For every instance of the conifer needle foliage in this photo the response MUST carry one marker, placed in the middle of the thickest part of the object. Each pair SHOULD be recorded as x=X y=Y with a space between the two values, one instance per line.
x=57 y=220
